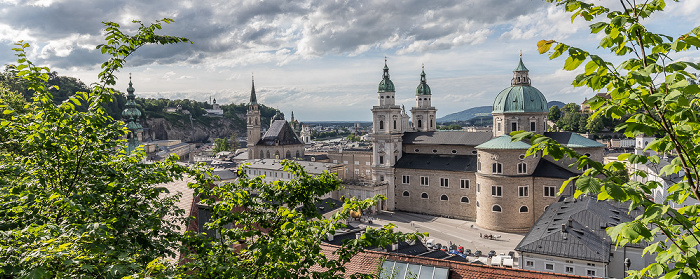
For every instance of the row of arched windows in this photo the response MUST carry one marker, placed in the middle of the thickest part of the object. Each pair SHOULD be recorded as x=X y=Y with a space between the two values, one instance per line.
x=494 y=208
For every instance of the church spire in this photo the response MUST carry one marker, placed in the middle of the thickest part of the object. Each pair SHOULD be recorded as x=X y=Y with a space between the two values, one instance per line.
x=521 y=74
x=131 y=114
x=386 y=85
x=253 y=98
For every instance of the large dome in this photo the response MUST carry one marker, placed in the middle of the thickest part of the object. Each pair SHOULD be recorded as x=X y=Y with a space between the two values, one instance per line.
x=386 y=85
x=520 y=98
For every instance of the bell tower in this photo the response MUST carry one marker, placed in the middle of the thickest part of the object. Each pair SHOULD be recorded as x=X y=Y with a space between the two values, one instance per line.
x=387 y=131
x=253 y=122
x=423 y=113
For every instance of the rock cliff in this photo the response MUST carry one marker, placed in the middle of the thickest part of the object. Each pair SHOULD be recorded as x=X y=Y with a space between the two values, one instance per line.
x=191 y=130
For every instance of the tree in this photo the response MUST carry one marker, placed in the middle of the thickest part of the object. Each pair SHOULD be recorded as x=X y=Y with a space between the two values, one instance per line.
x=554 y=114
x=72 y=202
x=652 y=88
x=595 y=124
x=235 y=144
x=274 y=230
x=221 y=145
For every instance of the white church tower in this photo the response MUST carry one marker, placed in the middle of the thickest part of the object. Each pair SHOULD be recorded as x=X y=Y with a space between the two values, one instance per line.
x=423 y=113
x=387 y=131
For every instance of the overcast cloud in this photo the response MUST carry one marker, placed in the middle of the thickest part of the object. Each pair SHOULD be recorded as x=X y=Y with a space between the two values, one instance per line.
x=321 y=58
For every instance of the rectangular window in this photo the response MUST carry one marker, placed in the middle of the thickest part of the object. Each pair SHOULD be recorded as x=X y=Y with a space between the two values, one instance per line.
x=570 y=269
x=335 y=161
x=590 y=272
x=522 y=168
x=367 y=172
x=522 y=191
x=497 y=168
x=345 y=162
x=203 y=217
x=549 y=266
x=357 y=162
x=529 y=263
x=590 y=264
x=464 y=183
x=444 y=182
x=405 y=179
x=549 y=191
x=478 y=165
x=381 y=160
x=357 y=172
x=496 y=191
x=532 y=126
x=424 y=181
x=513 y=126
x=478 y=187
x=367 y=163
x=499 y=126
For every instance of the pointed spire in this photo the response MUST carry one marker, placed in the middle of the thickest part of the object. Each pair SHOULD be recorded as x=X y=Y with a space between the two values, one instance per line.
x=386 y=85
x=423 y=88
x=253 y=98
x=131 y=113
x=521 y=74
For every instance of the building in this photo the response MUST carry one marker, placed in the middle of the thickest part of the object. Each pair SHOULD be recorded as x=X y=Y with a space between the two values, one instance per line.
x=215 y=110
x=479 y=176
x=279 y=141
x=570 y=238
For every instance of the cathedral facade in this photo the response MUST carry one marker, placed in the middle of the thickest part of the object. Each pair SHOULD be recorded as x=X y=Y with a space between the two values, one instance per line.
x=477 y=176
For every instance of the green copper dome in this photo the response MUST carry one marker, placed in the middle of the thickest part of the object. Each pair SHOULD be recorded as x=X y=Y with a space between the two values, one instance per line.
x=423 y=88
x=520 y=98
x=386 y=85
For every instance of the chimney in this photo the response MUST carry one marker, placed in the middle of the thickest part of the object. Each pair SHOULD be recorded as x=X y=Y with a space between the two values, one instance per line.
x=563 y=228
x=571 y=221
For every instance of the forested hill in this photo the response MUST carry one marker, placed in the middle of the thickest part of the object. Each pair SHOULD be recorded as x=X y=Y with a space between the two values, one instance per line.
x=159 y=123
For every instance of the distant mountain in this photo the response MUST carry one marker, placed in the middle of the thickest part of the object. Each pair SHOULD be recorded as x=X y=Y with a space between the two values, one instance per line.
x=479 y=111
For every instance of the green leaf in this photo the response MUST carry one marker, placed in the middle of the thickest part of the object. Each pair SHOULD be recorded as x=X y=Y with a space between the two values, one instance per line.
x=588 y=184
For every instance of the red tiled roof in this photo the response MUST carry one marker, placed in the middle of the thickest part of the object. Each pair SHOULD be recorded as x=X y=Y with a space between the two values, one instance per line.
x=368 y=262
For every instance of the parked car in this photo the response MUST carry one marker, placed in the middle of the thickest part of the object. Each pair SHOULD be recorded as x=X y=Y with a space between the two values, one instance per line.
x=430 y=243
x=477 y=253
x=467 y=252
x=460 y=249
x=492 y=253
x=437 y=246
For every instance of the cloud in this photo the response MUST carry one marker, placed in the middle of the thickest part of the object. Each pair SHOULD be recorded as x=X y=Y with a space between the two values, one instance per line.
x=251 y=31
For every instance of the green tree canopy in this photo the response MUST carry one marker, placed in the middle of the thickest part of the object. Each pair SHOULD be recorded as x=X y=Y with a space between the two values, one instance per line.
x=651 y=87
x=554 y=113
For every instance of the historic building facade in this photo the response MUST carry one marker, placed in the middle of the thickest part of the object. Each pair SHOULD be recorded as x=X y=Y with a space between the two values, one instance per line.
x=479 y=176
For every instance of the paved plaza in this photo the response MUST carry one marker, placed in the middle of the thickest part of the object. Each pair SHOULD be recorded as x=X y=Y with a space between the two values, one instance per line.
x=445 y=230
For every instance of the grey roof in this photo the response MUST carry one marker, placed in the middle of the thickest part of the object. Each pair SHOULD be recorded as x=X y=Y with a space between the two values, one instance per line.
x=573 y=140
x=447 y=138
x=437 y=162
x=279 y=133
x=546 y=168
x=583 y=238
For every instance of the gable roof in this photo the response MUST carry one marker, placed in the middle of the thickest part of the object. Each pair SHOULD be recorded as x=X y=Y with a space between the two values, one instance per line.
x=437 y=162
x=447 y=138
x=575 y=228
x=279 y=133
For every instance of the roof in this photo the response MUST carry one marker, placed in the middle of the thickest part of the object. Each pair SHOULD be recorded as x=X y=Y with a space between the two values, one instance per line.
x=520 y=98
x=521 y=67
x=546 y=168
x=437 y=162
x=186 y=200
x=367 y=262
x=581 y=238
x=503 y=142
x=447 y=138
x=386 y=85
x=572 y=140
x=280 y=133
x=423 y=88
x=276 y=165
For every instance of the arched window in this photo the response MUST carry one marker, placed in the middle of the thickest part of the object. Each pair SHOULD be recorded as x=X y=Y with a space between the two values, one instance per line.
x=477 y=203
x=420 y=123
x=381 y=124
x=424 y=195
x=277 y=154
x=444 y=198
x=394 y=124
x=298 y=156
x=431 y=123
x=262 y=154
x=524 y=209
x=406 y=194
x=288 y=155
x=496 y=208
x=465 y=200
x=268 y=154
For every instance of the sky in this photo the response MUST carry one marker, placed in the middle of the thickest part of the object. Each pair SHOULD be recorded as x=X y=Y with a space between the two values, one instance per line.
x=321 y=59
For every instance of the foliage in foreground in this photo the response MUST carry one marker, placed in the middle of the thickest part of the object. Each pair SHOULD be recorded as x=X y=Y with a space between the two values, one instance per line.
x=651 y=86
x=274 y=230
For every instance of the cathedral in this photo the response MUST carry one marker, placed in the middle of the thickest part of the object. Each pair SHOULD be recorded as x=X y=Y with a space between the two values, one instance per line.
x=477 y=176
